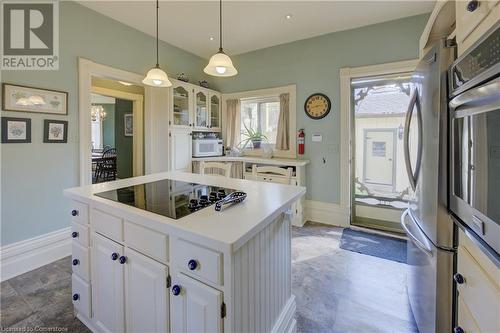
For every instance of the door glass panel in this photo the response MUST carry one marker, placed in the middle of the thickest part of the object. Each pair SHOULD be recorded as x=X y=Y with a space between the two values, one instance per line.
x=181 y=106
x=461 y=161
x=214 y=111
x=201 y=109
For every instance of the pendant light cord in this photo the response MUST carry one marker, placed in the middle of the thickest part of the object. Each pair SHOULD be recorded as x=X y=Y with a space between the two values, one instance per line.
x=220 y=25
x=157 y=9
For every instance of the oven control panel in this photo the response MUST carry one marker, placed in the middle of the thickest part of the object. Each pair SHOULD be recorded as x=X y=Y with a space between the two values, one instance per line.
x=478 y=64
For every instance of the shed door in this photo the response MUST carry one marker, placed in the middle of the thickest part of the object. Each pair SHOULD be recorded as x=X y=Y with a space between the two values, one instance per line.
x=379 y=157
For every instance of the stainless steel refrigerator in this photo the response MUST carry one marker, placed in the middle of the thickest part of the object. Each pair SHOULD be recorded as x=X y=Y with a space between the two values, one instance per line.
x=429 y=228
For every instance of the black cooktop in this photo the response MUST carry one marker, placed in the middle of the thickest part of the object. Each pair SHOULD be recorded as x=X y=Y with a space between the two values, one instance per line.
x=170 y=198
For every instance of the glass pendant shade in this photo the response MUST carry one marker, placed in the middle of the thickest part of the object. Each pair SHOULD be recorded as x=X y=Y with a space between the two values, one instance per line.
x=156 y=77
x=220 y=65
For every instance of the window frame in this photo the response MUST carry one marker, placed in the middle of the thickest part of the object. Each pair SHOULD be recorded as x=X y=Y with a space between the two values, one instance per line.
x=262 y=94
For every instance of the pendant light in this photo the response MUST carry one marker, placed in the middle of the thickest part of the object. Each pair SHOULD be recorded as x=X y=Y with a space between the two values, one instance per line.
x=156 y=77
x=220 y=64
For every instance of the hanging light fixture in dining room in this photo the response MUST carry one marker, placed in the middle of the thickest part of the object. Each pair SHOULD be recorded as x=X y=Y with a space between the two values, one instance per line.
x=156 y=77
x=97 y=112
x=220 y=64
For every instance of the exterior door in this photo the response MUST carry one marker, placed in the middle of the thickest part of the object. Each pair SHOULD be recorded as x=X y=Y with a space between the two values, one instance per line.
x=180 y=150
x=379 y=157
x=196 y=308
x=107 y=285
x=201 y=109
x=181 y=99
x=146 y=294
x=215 y=114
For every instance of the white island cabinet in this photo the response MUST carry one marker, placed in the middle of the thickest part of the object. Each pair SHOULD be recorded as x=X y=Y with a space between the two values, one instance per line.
x=139 y=271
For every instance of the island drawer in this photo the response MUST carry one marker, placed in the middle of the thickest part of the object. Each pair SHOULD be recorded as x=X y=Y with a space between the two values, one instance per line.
x=80 y=233
x=197 y=261
x=81 y=295
x=80 y=261
x=147 y=241
x=79 y=212
x=107 y=225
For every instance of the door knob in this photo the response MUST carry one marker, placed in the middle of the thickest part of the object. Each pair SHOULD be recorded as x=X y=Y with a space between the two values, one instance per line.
x=74 y=212
x=458 y=329
x=76 y=262
x=114 y=256
x=74 y=234
x=472 y=5
x=76 y=297
x=176 y=290
x=123 y=259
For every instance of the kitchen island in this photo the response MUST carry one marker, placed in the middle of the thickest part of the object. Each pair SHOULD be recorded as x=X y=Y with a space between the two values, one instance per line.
x=148 y=259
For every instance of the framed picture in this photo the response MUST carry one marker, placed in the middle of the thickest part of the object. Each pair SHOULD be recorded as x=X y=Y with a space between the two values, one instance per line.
x=36 y=100
x=55 y=131
x=16 y=130
x=129 y=124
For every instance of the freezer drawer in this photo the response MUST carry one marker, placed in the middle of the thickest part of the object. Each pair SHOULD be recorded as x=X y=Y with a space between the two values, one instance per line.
x=429 y=280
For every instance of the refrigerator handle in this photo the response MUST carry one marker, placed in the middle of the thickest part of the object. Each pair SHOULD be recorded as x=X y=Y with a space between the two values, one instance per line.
x=413 y=176
x=412 y=237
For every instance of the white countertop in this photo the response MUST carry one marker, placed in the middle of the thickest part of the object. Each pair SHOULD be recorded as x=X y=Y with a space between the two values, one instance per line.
x=255 y=159
x=232 y=227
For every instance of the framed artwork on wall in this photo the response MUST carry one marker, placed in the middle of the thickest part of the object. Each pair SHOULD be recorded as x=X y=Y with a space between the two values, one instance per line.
x=36 y=100
x=129 y=124
x=16 y=130
x=55 y=131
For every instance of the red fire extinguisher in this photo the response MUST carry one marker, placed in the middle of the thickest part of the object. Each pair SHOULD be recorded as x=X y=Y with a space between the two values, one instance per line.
x=301 y=141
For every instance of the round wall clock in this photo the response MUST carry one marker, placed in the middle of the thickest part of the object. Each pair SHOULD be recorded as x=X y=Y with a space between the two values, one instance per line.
x=317 y=106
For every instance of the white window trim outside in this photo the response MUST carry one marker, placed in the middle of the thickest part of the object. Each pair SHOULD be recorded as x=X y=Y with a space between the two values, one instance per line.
x=265 y=93
x=346 y=75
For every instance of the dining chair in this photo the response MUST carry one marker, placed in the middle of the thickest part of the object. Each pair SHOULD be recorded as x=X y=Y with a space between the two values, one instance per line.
x=215 y=168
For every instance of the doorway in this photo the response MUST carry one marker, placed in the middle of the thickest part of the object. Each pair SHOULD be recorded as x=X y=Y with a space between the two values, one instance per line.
x=116 y=114
x=379 y=183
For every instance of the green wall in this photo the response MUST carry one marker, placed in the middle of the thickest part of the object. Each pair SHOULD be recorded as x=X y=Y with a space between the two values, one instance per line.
x=108 y=126
x=123 y=144
x=34 y=175
x=313 y=65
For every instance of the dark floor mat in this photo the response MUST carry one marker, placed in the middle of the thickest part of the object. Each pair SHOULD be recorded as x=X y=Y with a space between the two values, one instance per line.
x=380 y=246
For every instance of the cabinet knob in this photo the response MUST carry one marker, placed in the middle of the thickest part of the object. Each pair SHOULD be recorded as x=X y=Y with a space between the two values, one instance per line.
x=176 y=290
x=192 y=264
x=123 y=259
x=74 y=234
x=459 y=278
x=74 y=212
x=114 y=256
x=458 y=329
x=76 y=297
x=472 y=5
x=76 y=262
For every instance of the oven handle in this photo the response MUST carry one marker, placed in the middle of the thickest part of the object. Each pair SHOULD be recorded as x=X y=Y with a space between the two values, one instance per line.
x=477 y=100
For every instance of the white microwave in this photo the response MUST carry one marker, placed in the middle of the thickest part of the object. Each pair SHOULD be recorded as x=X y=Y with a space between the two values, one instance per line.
x=207 y=147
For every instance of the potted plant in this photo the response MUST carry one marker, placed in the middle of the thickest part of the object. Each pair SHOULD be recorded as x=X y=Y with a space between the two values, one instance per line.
x=252 y=136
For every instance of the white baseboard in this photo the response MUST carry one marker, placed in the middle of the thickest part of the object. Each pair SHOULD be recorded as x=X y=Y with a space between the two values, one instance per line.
x=326 y=213
x=26 y=255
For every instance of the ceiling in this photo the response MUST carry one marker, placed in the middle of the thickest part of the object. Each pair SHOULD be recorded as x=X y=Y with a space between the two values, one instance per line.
x=252 y=24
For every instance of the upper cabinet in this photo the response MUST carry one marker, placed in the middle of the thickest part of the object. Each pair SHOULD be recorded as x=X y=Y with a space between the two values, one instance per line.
x=195 y=108
x=473 y=20
x=201 y=109
x=215 y=112
x=181 y=114
x=441 y=24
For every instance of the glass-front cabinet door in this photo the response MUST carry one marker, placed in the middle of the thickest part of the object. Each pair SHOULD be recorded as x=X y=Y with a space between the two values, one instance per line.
x=181 y=100
x=201 y=109
x=215 y=113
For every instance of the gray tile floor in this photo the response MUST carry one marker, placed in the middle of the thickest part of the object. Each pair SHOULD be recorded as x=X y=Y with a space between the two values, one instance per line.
x=336 y=290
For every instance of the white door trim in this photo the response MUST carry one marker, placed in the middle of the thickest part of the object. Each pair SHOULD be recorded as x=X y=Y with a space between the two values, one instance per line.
x=138 y=135
x=87 y=69
x=346 y=75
